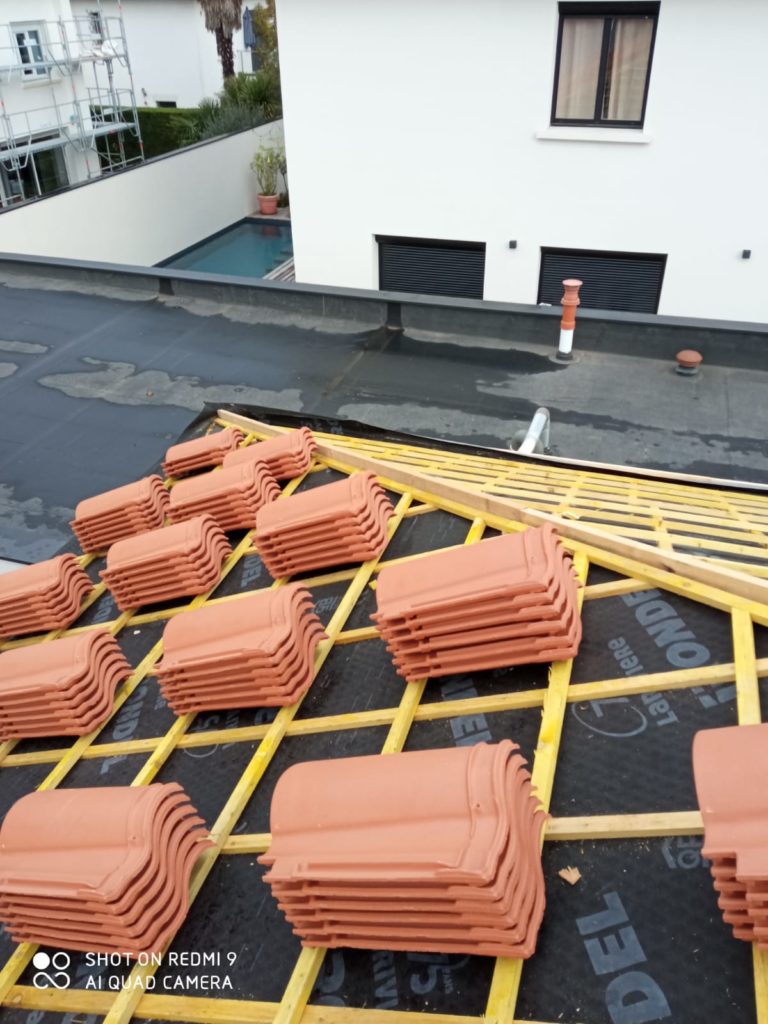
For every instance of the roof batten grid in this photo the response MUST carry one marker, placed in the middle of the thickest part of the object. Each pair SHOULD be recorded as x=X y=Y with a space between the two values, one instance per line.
x=632 y=826
x=585 y=489
x=23 y=953
x=502 y=998
x=302 y=981
x=748 y=713
x=128 y=999
x=712 y=675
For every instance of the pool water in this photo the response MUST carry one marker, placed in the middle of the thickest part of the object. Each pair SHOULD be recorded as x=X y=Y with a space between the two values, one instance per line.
x=251 y=248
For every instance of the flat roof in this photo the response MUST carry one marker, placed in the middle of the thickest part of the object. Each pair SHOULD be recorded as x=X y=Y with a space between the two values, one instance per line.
x=96 y=383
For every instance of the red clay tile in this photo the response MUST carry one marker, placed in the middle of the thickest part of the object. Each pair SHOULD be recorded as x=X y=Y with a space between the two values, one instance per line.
x=64 y=687
x=728 y=766
x=286 y=456
x=231 y=495
x=257 y=651
x=176 y=561
x=122 y=512
x=506 y=601
x=41 y=597
x=103 y=869
x=201 y=452
x=331 y=525
x=454 y=868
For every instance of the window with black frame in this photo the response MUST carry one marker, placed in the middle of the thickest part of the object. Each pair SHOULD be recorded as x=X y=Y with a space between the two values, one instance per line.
x=603 y=64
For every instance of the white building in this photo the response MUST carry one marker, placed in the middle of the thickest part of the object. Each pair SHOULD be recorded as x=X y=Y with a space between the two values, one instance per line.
x=63 y=116
x=494 y=147
x=173 y=57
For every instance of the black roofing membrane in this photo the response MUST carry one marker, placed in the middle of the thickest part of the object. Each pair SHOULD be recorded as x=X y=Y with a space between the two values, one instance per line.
x=638 y=938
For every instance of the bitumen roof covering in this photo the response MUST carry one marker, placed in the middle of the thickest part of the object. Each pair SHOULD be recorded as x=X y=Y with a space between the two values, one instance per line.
x=95 y=383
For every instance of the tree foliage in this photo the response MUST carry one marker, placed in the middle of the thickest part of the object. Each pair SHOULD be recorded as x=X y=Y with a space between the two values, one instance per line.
x=264 y=23
x=223 y=17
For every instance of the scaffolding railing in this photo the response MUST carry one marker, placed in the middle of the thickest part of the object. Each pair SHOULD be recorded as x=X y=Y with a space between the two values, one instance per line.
x=82 y=51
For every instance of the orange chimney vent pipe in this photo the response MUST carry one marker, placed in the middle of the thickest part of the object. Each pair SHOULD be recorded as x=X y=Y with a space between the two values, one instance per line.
x=570 y=301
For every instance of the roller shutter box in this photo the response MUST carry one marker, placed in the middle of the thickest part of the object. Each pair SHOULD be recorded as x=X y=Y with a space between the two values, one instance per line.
x=624 y=281
x=431 y=267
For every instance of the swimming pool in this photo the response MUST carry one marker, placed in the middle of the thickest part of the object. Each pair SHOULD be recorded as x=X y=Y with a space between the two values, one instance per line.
x=250 y=248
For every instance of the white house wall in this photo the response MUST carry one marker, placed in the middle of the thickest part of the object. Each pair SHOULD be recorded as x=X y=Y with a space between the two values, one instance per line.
x=147 y=213
x=421 y=118
x=172 y=55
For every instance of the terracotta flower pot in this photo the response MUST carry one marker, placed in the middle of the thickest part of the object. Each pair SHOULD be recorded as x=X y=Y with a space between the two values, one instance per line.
x=267 y=205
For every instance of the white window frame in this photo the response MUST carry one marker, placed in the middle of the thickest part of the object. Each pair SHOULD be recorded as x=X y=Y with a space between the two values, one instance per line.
x=31 y=71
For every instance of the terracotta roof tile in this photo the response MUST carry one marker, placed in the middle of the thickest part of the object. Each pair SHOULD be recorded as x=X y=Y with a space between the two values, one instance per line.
x=505 y=601
x=286 y=456
x=455 y=867
x=122 y=512
x=257 y=651
x=342 y=522
x=231 y=495
x=729 y=766
x=104 y=869
x=64 y=687
x=176 y=561
x=201 y=452
x=44 y=596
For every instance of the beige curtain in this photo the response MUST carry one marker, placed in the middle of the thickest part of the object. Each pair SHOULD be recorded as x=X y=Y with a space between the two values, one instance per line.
x=579 y=68
x=628 y=64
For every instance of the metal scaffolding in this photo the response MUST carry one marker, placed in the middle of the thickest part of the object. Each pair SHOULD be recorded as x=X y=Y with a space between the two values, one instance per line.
x=72 y=62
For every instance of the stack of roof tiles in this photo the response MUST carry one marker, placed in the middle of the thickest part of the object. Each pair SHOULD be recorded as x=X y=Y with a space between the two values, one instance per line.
x=61 y=688
x=334 y=524
x=431 y=851
x=510 y=600
x=101 y=870
x=44 y=596
x=257 y=651
x=730 y=767
x=201 y=452
x=176 y=561
x=285 y=456
x=232 y=496
x=123 y=512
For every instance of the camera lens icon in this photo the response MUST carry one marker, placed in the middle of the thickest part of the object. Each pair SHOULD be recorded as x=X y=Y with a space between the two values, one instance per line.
x=52 y=971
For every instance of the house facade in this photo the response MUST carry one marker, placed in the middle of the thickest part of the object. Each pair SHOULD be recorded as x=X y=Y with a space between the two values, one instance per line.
x=492 y=149
x=173 y=57
x=72 y=73
x=63 y=112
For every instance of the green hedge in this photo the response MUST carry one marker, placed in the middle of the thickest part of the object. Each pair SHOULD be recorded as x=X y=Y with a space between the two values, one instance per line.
x=164 y=129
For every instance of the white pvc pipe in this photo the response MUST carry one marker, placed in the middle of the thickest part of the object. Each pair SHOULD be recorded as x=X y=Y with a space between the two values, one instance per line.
x=566 y=342
x=539 y=425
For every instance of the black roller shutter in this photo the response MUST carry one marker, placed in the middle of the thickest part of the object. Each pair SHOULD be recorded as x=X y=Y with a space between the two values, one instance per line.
x=431 y=267
x=612 y=280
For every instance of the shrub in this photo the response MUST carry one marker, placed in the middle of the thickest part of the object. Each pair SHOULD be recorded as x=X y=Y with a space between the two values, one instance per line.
x=260 y=91
x=164 y=130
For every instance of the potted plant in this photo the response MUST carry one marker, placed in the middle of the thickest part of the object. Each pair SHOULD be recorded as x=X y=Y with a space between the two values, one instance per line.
x=266 y=164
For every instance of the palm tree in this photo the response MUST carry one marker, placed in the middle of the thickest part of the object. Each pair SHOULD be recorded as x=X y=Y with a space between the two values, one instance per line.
x=222 y=17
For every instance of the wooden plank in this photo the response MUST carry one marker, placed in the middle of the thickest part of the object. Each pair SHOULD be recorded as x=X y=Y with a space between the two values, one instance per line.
x=760 y=968
x=206 y=1010
x=626 y=826
x=505 y=983
x=745 y=665
x=686 y=566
